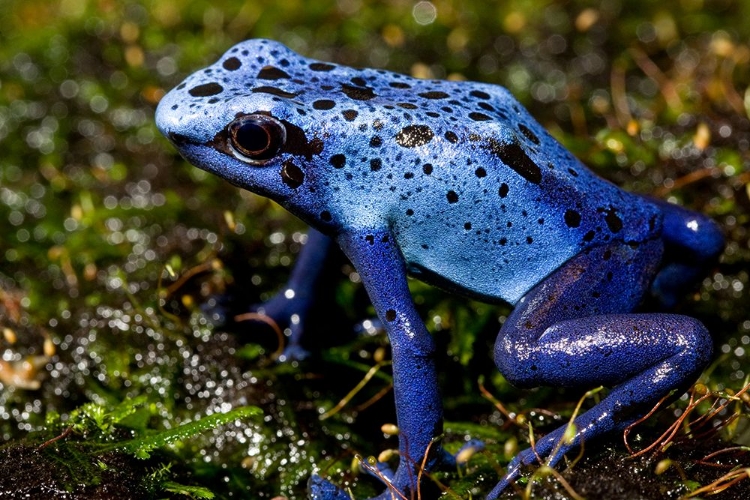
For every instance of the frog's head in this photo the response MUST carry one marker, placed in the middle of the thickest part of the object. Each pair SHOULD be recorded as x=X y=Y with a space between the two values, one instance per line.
x=246 y=120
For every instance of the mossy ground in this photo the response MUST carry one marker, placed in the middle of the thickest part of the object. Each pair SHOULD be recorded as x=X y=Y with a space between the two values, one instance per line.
x=109 y=242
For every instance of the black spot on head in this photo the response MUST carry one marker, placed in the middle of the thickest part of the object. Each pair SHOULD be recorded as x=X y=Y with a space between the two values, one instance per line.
x=370 y=238
x=358 y=80
x=272 y=73
x=338 y=161
x=434 y=94
x=479 y=94
x=409 y=212
x=292 y=175
x=232 y=64
x=406 y=105
x=480 y=172
x=276 y=92
x=298 y=144
x=409 y=175
x=572 y=218
x=427 y=168
x=503 y=241
x=589 y=236
x=503 y=191
x=573 y=172
x=376 y=164
x=399 y=85
x=358 y=93
x=451 y=137
x=529 y=240
x=319 y=66
x=479 y=117
x=350 y=114
x=325 y=216
x=412 y=136
x=205 y=90
x=516 y=158
x=528 y=133
x=376 y=141
x=467 y=226
x=451 y=196
x=390 y=315
x=323 y=104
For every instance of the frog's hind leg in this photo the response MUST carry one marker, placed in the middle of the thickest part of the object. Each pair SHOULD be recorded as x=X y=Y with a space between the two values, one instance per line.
x=692 y=243
x=575 y=329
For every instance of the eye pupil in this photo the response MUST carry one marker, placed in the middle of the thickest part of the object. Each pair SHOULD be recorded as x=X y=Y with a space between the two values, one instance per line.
x=252 y=137
x=256 y=138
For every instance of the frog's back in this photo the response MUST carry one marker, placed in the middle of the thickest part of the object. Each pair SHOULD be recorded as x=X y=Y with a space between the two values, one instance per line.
x=480 y=198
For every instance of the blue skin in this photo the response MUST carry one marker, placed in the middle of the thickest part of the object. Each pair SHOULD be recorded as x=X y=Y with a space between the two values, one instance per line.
x=456 y=184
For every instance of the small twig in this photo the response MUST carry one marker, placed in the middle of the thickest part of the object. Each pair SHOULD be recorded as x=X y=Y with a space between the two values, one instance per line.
x=724 y=482
x=63 y=435
x=368 y=376
x=270 y=322
x=666 y=86
x=382 y=392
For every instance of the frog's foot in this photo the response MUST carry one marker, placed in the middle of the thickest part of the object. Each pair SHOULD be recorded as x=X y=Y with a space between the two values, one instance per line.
x=322 y=489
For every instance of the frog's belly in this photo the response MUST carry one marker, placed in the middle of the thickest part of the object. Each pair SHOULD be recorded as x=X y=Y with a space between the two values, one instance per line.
x=486 y=268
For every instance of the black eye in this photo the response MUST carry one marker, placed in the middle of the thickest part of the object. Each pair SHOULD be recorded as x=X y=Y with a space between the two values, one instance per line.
x=256 y=138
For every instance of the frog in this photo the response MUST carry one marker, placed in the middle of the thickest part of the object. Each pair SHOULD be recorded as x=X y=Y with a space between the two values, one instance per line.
x=455 y=184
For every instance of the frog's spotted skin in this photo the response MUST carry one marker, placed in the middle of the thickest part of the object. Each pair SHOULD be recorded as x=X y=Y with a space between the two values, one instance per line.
x=459 y=170
x=456 y=183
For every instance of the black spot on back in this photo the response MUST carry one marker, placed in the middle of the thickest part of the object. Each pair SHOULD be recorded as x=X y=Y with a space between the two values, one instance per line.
x=338 y=161
x=479 y=117
x=479 y=94
x=614 y=223
x=528 y=133
x=318 y=66
x=503 y=190
x=232 y=64
x=451 y=137
x=325 y=216
x=272 y=73
x=406 y=105
x=414 y=135
x=516 y=158
x=451 y=196
x=205 y=90
x=323 y=104
x=572 y=218
x=376 y=141
x=357 y=93
x=376 y=164
x=399 y=85
x=434 y=94
x=480 y=172
x=276 y=92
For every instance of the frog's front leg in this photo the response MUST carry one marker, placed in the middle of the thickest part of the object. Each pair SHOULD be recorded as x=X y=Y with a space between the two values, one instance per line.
x=290 y=307
x=574 y=329
x=419 y=410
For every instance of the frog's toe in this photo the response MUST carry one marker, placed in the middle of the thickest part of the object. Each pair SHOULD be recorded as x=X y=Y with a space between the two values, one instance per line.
x=322 y=489
x=294 y=352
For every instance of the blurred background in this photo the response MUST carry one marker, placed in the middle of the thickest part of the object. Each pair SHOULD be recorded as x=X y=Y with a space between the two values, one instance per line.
x=110 y=243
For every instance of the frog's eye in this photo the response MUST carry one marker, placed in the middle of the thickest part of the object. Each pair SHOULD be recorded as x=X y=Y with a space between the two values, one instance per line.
x=256 y=138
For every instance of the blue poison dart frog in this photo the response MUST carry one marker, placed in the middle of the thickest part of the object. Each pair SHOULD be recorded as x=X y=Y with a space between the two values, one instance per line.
x=456 y=184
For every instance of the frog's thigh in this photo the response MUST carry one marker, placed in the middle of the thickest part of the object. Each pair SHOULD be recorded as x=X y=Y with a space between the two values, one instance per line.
x=575 y=328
